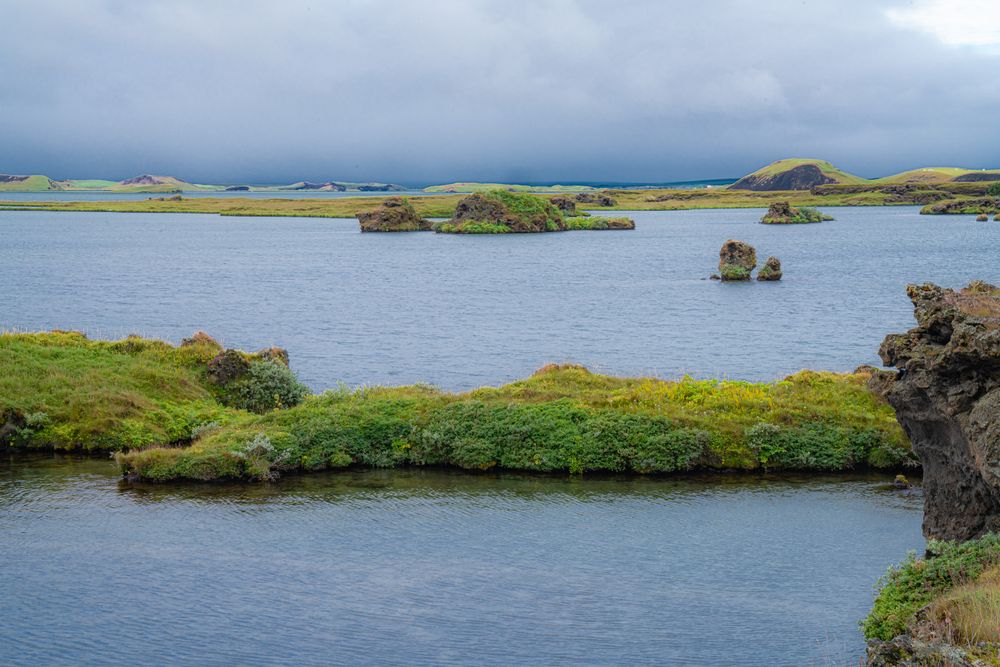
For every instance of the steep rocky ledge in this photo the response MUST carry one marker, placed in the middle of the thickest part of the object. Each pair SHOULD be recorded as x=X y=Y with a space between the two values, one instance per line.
x=946 y=394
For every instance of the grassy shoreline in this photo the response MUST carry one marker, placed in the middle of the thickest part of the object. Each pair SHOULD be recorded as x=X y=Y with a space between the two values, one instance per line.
x=158 y=408
x=443 y=206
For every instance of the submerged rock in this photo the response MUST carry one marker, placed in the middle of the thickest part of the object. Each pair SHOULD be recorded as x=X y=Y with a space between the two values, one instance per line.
x=771 y=269
x=394 y=215
x=737 y=260
x=982 y=217
x=946 y=395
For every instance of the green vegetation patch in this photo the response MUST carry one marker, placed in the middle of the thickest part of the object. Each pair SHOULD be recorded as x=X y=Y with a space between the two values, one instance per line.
x=562 y=419
x=594 y=222
x=908 y=588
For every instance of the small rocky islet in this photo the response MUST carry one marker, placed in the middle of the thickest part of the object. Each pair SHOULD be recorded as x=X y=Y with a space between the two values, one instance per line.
x=737 y=261
x=496 y=212
x=782 y=213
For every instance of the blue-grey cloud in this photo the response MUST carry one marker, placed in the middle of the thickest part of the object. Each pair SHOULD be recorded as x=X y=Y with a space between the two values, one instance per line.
x=484 y=89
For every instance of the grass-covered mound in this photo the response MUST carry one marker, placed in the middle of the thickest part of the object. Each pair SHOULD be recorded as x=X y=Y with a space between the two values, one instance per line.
x=62 y=390
x=782 y=213
x=953 y=596
x=197 y=411
x=562 y=419
x=504 y=212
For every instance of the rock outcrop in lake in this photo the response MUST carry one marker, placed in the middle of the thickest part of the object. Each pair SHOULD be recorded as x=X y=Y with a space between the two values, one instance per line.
x=782 y=213
x=500 y=211
x=771 y=270
x=394 y=215
x=737 y=260
x=946 y=394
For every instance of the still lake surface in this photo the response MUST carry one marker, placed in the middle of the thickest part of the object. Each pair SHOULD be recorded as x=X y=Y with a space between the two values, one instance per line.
x=436 y=567
x=464 y=311
x=432 y=567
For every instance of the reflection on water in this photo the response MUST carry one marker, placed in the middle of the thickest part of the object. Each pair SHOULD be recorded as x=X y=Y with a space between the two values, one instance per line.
x=443 y=567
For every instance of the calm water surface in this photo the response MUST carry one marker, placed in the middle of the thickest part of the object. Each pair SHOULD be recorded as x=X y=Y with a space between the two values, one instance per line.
x=463 y=311
x=430 y=567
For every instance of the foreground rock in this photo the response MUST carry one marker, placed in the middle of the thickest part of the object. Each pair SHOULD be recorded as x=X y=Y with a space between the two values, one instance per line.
x=946 y=395
x=737 y=260
x=771 y=270
x=394 y=215
x=906 y=651
x=564 y=204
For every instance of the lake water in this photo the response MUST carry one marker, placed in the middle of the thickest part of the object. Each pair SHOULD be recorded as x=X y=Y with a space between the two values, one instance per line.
x=433 y=567
x=464 y=311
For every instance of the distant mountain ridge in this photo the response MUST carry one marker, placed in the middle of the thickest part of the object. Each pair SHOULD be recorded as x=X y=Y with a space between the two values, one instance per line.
x=154 y=183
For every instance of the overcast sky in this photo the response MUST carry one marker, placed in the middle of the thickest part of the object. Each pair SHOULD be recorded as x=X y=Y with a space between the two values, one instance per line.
x=540 y=90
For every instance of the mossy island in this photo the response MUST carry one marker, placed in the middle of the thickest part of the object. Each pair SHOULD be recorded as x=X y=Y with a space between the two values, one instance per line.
x=782 y=213
x=199 y=411
x=396 y=214
x=737 y=261
x=505 y=212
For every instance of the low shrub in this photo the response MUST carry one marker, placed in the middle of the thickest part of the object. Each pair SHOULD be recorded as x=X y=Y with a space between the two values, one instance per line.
x=908 y=588
x=266 y=385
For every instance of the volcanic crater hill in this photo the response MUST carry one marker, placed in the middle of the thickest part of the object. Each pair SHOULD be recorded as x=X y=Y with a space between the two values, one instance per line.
x=946 y=394
x=794 y=174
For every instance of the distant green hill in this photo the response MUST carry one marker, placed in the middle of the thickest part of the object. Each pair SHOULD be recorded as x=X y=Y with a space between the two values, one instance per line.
x=807 y=173
x=795 y=174
x=36 y=183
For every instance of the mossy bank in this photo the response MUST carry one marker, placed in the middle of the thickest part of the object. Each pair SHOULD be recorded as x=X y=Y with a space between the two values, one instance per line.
x=171 y=413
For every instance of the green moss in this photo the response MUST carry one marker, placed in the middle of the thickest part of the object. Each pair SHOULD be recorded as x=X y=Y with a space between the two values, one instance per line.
x=734 y=272
x=579 y=222
x=909 y=587
x=471 y=227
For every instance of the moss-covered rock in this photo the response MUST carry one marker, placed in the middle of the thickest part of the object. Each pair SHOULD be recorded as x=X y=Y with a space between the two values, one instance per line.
x=737 y=260
x=782 y=213
x=501 y=211
x=394 y=215
x=771 y=270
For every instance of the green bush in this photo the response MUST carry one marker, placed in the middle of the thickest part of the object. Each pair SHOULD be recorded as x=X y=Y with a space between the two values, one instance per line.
x=907 y=588
x=734 y=272
x=267 y=385
x=994 y=190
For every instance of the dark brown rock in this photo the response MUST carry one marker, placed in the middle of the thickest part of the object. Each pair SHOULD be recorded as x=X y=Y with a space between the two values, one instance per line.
x=227 y=366
x=771 y=270
x=200 y=338
x=598 y=198
x=737 y=260
x=394 y=215
x=564 y=204
x=946 y=394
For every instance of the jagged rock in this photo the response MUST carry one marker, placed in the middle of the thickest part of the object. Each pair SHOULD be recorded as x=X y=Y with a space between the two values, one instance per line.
x=596 y=198
x=771 y=269
x=778 y=212
x=394 y=215
x=737 y=260
x=946 y=395
x=564 y=204
x=905 y=651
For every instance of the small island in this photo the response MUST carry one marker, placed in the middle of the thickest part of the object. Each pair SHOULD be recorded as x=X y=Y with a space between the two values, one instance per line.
x=782 y=213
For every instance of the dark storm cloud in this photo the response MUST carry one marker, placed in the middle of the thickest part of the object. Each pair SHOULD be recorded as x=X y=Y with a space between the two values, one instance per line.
x=430 y=91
